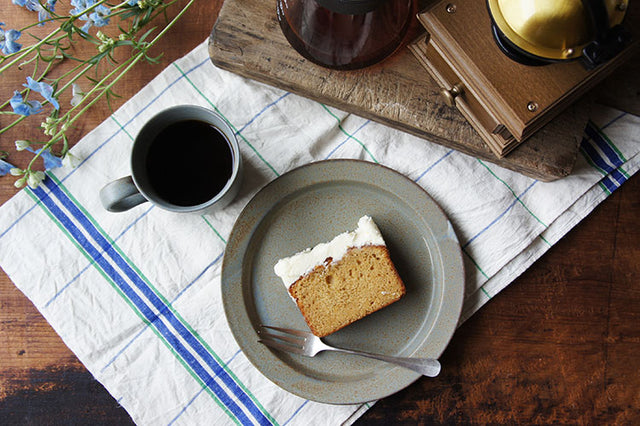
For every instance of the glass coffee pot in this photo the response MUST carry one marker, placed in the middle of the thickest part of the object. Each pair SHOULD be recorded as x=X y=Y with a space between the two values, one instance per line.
x=345 y=34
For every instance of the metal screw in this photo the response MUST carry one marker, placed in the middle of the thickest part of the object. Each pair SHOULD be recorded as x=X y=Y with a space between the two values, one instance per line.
x=568 y=52
x=451 y=8
x=532 y=106
x=621 y=7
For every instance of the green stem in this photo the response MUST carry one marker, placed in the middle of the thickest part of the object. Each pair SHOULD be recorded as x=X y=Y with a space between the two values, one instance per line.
x=15 y=122
x=44 y=73
x=35 y=24
x=132 y=61
x=75 y=78
x=122 y=69
x=30 y=49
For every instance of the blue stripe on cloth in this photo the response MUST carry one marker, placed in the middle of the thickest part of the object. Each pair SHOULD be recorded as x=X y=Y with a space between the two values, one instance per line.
x=144 y=309
x=432 y=166
x=130 y=342
x=494 y=221
x=182 y=411
x=612 y=155
x=187 y=405
x=619 y=177
x=609 y=184
x=156 y=301
x=595 y=156
x=608 y=170
x=604 y=145
x=613 y=120
x=295 y=413
x=266 y=108
x=15 y=222
x=500 y=216
x=64 y=287
x=349 y=137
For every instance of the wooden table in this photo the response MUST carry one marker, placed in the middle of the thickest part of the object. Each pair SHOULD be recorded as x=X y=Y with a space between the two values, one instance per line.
x=559 y=345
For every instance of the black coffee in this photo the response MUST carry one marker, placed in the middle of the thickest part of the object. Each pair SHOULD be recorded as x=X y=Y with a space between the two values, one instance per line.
x=189 y=162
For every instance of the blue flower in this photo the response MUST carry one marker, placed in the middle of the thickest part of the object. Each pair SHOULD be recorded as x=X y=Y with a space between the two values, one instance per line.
x=35 y=6
x=132 y=2
x=5 y=167
x=23 y=107
x=8 y=39
x=79 y=6
x=44 y=89
x=50 y=160
x=29 y=4
x=44 y=14
x=100 y=16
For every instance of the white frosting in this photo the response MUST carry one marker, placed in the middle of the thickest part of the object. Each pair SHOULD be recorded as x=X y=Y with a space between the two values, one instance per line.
x=291 y=268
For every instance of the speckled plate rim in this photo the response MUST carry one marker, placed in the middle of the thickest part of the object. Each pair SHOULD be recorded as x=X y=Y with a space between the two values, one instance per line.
x=244 y=330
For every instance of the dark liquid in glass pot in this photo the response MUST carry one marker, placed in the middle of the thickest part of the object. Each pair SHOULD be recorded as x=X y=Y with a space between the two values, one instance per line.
x=343 y=41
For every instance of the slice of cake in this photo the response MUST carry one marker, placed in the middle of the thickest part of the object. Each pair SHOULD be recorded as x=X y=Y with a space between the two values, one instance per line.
x=339 y=282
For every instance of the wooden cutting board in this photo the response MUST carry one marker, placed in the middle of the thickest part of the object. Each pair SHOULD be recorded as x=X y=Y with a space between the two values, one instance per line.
x=398 y=92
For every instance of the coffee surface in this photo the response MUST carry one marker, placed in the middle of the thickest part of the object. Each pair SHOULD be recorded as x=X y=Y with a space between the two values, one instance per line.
x=189 y=162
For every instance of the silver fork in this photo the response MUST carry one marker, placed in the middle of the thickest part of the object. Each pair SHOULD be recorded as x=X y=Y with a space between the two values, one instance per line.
x=307 y=344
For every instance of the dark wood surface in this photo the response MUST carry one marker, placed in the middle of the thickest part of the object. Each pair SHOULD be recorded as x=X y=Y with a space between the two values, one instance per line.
x=559 y=345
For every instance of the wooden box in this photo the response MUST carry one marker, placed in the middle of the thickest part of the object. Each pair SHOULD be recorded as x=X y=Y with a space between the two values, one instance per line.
x=505 y=101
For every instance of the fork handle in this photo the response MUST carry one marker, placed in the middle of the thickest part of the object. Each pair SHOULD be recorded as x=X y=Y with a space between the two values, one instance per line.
x=429 y=367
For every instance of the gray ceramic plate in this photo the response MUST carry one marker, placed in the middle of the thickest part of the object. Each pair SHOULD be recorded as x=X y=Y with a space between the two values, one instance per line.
x=312 y=204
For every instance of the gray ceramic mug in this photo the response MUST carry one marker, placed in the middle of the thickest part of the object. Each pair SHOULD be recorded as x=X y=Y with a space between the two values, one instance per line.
x=185 y=159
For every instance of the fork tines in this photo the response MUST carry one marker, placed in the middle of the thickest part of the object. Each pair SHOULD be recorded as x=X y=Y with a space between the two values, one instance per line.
x=282 y=339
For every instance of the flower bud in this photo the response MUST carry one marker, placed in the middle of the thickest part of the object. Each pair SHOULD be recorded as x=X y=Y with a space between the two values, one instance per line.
x=35 y=179
x=77 y=94
x=21 y=145
x=50 y=126
x=20 y=182
x=15 y=171
x=70 y=160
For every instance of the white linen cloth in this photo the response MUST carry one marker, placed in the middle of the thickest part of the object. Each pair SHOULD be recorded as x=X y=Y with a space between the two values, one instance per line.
x=136 y=295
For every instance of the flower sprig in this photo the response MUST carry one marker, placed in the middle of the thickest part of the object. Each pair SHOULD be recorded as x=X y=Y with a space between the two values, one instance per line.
x=87 y=80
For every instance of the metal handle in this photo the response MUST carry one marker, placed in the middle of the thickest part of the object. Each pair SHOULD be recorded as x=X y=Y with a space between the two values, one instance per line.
x=451 y=94
x=429 y=367
x=608 y=42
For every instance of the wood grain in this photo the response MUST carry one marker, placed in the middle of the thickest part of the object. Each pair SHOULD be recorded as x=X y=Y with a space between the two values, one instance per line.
x=559 y=345
x=503 y=86
x=567 y=126
x=397 y=92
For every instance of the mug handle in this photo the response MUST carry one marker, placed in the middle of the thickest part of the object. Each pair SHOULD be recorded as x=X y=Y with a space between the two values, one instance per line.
x=121 y=195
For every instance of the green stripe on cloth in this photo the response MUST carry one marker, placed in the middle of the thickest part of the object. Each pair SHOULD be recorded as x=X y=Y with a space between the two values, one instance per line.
x=122 y=128
x=349 y=134
x=592 y=164
x=604 y=188
x=164 y=300
x=474 y=262
x=512 y=192
x=128 y=301
x=609 y=141
x=204 y=218
x=214 y=229
x=197 y=89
